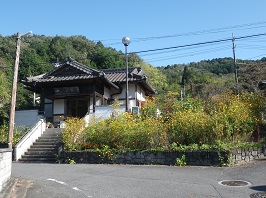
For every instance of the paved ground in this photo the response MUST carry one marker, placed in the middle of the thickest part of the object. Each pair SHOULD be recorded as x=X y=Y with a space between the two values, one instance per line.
x=97 y=181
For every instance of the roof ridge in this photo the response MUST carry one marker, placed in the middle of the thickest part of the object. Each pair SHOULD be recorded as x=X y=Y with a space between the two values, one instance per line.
x=86 y=68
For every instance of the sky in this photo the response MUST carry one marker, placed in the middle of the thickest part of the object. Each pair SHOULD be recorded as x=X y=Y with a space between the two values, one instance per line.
x=170 y=31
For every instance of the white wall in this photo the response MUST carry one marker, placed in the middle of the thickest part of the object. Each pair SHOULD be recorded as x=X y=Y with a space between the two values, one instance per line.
x=59 y=106
x=107 y=92
x=91 y=105
x=140 y=94
x=133 y=92
x=5 y=167
x=106 y=112
x=26 y=117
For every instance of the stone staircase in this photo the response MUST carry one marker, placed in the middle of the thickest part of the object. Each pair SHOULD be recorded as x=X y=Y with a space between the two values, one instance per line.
x=45 y=149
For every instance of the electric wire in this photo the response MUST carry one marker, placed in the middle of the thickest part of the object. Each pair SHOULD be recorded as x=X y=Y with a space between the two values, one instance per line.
x=172 y=49
x=201 y=43
x=188 y=54
x=200 y=32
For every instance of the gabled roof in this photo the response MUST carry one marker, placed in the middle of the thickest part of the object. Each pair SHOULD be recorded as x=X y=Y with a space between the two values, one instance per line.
x=135 y=74
x=72 y=70
x=69 y=70
x=119 y=75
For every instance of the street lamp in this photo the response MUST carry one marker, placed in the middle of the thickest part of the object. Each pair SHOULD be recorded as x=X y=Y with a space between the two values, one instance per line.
x=126 y=41
x=14 y=90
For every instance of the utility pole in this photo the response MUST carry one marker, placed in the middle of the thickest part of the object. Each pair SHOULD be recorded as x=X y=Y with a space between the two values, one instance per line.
x=235 y=66
x=14 y=91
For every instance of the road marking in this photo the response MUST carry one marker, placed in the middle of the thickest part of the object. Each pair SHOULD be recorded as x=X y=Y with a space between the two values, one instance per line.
x=65 y=184
x=60 y=182
x=75 y=188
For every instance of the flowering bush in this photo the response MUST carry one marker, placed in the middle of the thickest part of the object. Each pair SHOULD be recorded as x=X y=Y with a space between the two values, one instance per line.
x=192 y=121
x=72 y=135
x=127 y=132
x=233 y=117
x=227 y=118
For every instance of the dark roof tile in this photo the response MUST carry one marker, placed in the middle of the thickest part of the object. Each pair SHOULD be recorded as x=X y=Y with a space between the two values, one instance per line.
x=110 y=76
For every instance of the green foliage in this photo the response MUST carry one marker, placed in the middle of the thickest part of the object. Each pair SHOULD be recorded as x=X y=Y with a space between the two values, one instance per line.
x=225 y=118
x=225 y=160
x=224 y=123
x=218 y=145
x=126 y=132
x=70 y=161
x=4 y=97
x=72 y=135
x=155 y=77
x=106 y=152
x=181 y=161
x=17 y=134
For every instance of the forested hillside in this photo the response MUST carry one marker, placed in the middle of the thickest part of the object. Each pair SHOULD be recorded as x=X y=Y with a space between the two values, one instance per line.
x=40 y=54
x=209 y=77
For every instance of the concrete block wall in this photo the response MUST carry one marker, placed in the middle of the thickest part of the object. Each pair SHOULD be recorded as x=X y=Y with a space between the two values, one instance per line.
x=5 y=167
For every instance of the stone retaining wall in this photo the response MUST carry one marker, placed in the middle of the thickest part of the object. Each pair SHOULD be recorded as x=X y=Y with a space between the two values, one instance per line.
x=196 y=158
x=247 y=154
x=5 y=167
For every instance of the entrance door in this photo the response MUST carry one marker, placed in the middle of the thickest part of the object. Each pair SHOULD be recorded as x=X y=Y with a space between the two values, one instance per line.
x=77 y=108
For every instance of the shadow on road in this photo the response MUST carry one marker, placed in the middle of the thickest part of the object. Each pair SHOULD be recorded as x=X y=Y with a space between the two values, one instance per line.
x=259 y=188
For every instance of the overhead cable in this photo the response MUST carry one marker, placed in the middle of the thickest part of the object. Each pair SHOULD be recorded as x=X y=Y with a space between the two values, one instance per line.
x=202 y=43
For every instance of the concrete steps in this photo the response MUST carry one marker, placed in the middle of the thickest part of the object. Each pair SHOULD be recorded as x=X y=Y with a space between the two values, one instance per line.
x=45 y=149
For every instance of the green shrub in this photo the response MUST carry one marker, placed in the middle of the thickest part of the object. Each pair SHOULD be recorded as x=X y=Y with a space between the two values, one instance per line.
x=17 y=134
x=188 y=124
x=72 y=135
x=127 y=132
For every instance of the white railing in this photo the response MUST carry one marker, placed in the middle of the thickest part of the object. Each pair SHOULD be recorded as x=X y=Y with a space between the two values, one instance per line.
x=104 y=112
x=29 y=138
x=87 y=119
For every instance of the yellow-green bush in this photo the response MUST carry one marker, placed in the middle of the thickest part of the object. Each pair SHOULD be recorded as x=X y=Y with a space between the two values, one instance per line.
x=187 y=127
x=126 y=132
x=233 y=118
x=224 y=118
x=72 y=135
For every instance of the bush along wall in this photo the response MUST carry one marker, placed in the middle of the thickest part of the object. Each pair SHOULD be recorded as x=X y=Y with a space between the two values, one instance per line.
x=192 y=158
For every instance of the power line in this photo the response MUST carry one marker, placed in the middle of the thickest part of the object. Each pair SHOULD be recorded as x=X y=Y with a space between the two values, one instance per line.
x=200 y=32
x=175 y=48
x=188 y=54
x=216 y=30
x=201 y=43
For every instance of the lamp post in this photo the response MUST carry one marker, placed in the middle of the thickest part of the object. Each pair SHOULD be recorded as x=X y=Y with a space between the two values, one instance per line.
x=14 y=90
x=126 y=41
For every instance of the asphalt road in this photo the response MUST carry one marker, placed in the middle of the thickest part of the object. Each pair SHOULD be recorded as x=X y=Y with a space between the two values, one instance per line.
x=128 y=181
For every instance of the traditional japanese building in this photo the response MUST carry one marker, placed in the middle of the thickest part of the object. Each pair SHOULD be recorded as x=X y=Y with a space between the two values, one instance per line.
x=75 y=90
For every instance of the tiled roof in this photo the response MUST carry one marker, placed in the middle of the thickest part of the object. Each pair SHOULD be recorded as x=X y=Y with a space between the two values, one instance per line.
x=72 y=70
x=59 y=78
x=83 y=73
x=119 y=75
